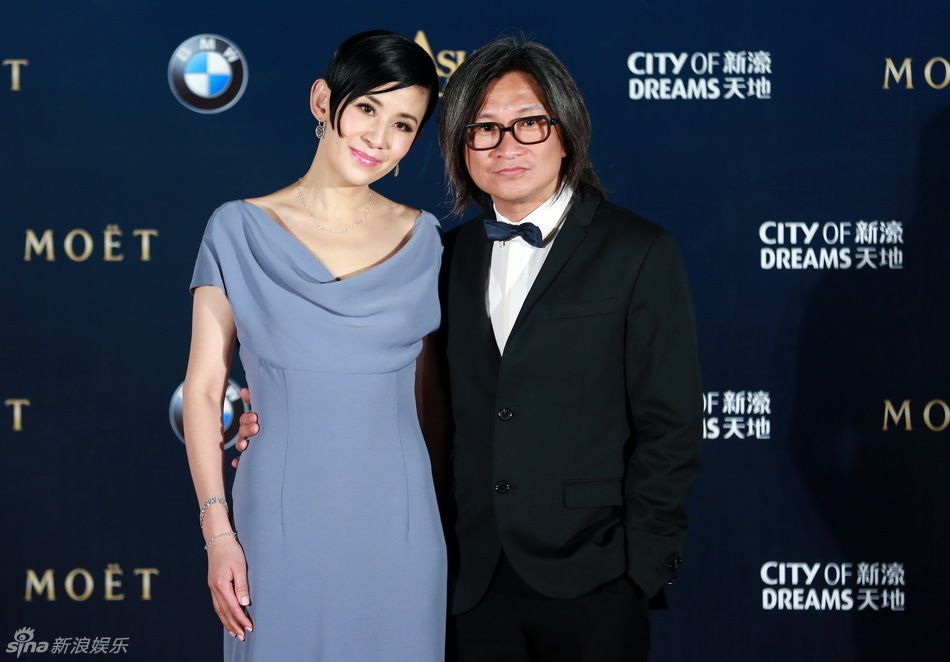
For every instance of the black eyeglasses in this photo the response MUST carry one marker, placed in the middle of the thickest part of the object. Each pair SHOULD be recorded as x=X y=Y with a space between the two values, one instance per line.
x=526 y=130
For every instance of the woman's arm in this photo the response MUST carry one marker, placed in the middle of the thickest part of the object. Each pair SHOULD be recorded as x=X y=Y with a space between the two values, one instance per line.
x=213 y=337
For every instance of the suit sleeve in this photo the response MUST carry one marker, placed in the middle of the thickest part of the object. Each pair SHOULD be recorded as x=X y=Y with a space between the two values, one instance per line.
x=665 y=399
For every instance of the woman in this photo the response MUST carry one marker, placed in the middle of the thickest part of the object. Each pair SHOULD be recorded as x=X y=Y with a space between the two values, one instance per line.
x=330 y=289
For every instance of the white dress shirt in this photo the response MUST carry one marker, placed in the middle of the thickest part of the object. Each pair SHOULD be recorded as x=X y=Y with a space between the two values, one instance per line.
x=515 y=264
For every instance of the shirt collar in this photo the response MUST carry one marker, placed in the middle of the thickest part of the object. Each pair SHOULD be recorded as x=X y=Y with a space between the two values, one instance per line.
x=549 y=215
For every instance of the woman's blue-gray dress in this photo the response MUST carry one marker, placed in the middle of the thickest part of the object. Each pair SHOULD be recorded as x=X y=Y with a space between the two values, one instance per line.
x=333 y=502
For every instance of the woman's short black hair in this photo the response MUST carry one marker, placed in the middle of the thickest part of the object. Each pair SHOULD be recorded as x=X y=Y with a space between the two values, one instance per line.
x=369 y=60
x=465 y=92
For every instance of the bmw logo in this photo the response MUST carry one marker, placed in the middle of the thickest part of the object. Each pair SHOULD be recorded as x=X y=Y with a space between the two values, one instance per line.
x=234 y=406
x=207 y=73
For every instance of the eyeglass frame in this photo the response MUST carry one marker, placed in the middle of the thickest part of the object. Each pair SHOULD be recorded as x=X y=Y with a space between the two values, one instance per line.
x=552 y=121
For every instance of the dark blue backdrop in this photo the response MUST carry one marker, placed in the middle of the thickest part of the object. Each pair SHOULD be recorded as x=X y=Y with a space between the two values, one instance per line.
x=818 y=517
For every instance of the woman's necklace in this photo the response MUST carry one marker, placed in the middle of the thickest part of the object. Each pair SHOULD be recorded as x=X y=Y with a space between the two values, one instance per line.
x=369 y=203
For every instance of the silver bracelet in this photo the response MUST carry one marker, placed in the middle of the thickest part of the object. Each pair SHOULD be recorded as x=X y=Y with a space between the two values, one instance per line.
x=207 y=504
x=221 y=535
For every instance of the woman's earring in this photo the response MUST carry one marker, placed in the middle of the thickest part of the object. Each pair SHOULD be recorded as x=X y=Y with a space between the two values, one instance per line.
x=396 y=171
x=320 y=132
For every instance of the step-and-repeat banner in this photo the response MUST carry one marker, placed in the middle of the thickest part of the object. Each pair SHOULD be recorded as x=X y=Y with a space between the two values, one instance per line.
x=798 y=151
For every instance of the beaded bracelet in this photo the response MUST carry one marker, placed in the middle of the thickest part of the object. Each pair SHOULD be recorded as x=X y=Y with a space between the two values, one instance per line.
x=207 y=504
x=221 y=535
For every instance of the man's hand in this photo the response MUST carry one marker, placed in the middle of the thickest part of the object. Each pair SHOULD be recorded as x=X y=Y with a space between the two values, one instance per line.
x=249 y=427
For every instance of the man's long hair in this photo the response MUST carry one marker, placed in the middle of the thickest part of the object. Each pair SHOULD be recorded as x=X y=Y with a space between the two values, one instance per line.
x=465 y=93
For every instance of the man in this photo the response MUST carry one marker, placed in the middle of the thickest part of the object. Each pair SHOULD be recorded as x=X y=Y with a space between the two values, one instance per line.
x=573 y=372
x=574 y=382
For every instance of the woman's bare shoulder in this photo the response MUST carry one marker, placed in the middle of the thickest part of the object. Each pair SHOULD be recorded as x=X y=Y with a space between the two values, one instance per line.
x=403 y=215
x=274 y=204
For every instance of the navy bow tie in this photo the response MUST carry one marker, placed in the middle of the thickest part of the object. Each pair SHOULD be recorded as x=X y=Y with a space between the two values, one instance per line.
x=498 y=231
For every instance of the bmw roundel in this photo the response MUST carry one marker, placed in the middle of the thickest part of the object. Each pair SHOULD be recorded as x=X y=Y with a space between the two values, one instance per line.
x=207 y=73
x=234 y=406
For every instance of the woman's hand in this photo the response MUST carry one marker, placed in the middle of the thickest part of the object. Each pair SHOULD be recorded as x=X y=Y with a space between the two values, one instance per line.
x=227 y=579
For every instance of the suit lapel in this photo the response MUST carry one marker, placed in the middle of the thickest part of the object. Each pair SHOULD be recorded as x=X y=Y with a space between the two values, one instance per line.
x=569 y=237
x=476 y=279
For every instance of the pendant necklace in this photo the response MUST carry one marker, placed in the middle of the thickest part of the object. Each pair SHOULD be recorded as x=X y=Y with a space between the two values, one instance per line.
x=369 y=203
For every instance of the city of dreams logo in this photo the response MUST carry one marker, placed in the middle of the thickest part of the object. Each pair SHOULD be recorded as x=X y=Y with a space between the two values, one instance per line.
x=207 y=73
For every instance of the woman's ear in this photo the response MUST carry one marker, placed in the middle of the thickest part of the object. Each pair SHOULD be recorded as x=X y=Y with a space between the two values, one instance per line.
x=320 y=100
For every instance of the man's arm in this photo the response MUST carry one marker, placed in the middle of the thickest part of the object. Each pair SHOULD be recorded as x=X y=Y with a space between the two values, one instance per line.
x=665 y=398
x=432 y=403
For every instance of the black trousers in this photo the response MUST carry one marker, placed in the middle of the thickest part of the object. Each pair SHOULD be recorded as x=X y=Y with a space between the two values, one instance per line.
x=514 y=623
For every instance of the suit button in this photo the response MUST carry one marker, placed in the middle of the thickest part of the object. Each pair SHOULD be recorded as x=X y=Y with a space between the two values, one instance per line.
x=505 y=414
x=502 y=487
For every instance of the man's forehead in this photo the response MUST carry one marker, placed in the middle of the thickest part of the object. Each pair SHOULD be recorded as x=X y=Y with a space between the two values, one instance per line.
x=513 y=92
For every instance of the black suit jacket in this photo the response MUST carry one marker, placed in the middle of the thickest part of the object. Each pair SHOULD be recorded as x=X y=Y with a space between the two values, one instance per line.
x=573 y=451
